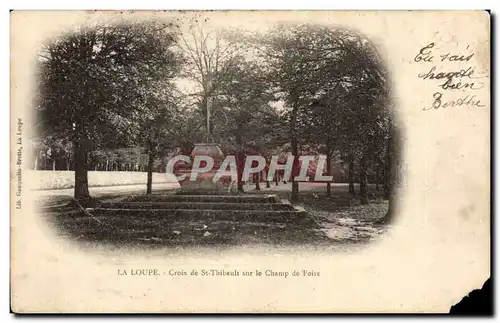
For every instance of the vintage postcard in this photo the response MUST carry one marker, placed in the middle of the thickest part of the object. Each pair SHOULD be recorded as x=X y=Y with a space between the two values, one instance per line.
x=249 y=161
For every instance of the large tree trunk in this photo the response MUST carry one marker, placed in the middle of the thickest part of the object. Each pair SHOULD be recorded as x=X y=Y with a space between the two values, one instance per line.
x=240 y=159
x=328 y=172
x=295 y=191
x=362 y=181
x=256 y=178
x=390 y=211
x=393 y=164
x=240 y=186
x=295 y=151
x=387 y=170
x=391 y=175
x=149 y=185
x=81 y=175
x=206 y=108
x=351 y=177
x=265 y=173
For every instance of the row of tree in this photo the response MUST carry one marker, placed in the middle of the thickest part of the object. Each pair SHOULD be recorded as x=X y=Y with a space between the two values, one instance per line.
x=331 y=86
x=51 y=155
x=295 y=88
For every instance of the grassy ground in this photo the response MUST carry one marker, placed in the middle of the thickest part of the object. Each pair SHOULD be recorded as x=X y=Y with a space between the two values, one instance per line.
x=339 y=219
x=341 y=216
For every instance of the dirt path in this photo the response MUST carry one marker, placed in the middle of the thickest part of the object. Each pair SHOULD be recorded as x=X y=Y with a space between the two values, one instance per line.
x=105 y=190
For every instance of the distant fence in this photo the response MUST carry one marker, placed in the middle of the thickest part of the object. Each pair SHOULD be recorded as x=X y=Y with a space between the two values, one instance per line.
x=45 y=180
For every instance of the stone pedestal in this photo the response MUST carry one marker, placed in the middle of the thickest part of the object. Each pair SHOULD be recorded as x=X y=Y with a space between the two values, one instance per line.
x=205 y=181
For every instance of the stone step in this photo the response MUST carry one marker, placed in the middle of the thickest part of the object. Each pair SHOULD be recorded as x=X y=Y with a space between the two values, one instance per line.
x=143 y=215
x=203 y=198
x=199 y=206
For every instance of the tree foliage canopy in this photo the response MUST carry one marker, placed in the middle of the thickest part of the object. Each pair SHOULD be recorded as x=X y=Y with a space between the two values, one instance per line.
x=295 y=87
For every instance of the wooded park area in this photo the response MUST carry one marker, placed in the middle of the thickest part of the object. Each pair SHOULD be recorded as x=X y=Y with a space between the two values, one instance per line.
x=127 y=96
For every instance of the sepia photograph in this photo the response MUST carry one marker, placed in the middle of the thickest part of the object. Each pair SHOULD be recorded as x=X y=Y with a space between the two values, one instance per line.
x=214 y=149
x=157 y=133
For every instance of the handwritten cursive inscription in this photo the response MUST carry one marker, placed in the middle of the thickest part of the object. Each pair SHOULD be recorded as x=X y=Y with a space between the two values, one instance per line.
x=456 y=78
x=467 y=100
x=425 y=54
